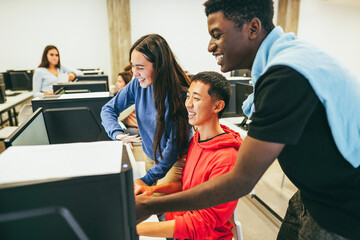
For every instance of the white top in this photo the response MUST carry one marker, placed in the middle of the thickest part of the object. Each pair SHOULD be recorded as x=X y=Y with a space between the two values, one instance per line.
x=43 y=79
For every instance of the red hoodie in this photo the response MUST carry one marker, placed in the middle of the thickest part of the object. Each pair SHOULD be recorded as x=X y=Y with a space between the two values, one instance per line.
x=207 y=160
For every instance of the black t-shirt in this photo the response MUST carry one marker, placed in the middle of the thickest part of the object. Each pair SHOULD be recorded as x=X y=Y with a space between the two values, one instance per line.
x=288 y=111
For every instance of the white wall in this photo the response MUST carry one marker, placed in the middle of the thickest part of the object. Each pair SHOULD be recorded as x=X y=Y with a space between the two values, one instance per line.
x=334 y=28
x=78 y=28
x=182 y=23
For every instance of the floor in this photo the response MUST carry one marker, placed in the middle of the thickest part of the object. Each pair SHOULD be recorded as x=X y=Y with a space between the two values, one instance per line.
x=257 y=222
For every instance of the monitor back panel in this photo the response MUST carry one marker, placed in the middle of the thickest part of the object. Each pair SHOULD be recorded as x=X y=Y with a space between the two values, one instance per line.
x=31 y=132
x=93 y=78
x=92 y=207
x=94 y=106
x=88 y=86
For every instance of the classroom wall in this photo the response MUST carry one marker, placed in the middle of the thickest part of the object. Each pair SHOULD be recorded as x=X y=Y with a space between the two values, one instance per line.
x=182 y=23
x=78 y=28
x=335 y=28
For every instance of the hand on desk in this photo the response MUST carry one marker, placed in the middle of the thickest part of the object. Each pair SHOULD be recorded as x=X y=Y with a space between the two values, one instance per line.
x=126 y=138
x=71 y=76
x=141 y=188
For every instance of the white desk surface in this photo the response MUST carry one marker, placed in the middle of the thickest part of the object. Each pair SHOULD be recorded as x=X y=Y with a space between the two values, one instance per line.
x=12 y=101
x=139 y=171
x=231 y=121
x=77 y=96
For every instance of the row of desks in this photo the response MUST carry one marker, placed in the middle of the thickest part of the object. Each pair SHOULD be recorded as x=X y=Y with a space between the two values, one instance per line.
x=11 y=103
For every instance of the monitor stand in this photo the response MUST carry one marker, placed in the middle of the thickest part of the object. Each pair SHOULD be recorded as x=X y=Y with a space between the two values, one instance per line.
x=243 y=125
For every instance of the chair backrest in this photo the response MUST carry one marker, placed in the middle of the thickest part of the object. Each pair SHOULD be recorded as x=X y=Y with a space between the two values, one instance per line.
x=237 y=229
x=24 y=113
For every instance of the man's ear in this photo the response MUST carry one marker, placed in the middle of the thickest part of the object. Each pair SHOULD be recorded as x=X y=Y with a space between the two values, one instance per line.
x=219 y=105
x=254 y=28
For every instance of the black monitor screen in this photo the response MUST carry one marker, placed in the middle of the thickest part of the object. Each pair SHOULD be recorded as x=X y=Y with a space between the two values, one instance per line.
x=7 y=80
x=20 y=80
x=92 y=78
x=91 y=207
x=83 y=114
x=230 y=111
x=243 y=90
x=83 y=86
x=69 y=125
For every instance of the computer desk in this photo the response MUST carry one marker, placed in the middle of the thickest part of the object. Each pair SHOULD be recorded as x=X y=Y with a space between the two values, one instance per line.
x=11 y=103
x=139 y=171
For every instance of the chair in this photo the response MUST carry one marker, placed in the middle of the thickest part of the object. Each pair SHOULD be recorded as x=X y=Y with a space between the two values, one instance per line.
x=237 y=229
x=24 y=113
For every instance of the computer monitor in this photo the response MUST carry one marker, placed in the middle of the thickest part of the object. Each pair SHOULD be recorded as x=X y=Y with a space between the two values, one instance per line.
x=88 y=207
x=31 y=132
x=7 y=80
x=73 y=124
x=92 y=78
x=91 y=71
x=230 y=111
x=243 y=90
x=82 y=86
x=2 y=89
x=82 y=118
x=20 y=80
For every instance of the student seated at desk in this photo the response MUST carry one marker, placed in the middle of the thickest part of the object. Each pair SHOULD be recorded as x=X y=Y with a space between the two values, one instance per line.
x=50 y=71
x=130 y=121
x=212 y=152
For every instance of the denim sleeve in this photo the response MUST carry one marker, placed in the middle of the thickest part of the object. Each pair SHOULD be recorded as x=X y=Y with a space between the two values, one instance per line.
x=112 y=109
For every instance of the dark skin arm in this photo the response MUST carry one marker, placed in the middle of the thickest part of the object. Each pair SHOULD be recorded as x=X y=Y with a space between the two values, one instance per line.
x=254 y=157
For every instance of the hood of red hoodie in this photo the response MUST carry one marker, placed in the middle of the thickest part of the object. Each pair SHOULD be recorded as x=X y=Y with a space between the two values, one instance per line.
x=230 y=139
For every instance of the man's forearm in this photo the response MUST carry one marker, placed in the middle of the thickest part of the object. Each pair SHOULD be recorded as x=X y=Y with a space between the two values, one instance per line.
x=211 y=193
x=253 y=159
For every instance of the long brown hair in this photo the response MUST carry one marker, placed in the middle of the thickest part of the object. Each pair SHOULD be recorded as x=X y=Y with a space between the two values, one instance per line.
x=44 y=60
x=171 y=82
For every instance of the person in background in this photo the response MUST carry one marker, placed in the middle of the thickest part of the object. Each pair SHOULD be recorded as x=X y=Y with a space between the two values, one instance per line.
x=50 y=71
x=158 y=91
x=130 y=121
x=123 y=79
x=128 y=68
x=305 y=113
x=212 y=152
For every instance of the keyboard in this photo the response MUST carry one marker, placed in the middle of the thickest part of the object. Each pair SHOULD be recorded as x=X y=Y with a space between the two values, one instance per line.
x=51 y=96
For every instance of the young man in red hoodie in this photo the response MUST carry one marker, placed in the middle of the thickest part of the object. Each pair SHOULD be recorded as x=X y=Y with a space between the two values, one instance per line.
x=212 y=152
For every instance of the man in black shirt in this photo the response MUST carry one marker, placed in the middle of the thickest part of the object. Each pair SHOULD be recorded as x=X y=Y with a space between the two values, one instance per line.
x=292 y=121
